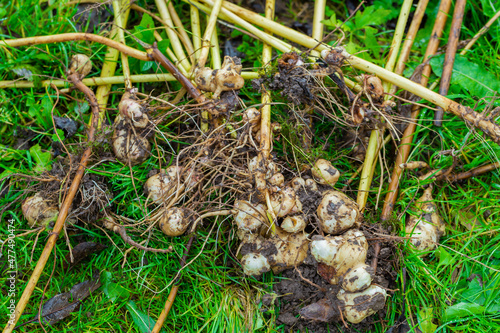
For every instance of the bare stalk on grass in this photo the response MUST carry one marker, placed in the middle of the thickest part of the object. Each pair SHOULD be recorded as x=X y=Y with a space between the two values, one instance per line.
x=449 y=58
x=405 y=146
x=65 y=207
x=480 y=33
x=317 y=30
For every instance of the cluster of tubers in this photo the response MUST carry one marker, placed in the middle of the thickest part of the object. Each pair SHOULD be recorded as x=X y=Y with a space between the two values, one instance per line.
x=342 y=252
x=227 y=78
x=162 y=188
x=130 y=142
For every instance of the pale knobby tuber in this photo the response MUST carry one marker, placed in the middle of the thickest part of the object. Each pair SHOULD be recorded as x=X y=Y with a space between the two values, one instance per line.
x=359 y=305
x=161 y=186
x=337 y=212
x=324 y=172
x=133 y=110
x=255 y=264
x=80 y=64
x=426 y=228
x=174 y=221
x=38 y=211
x=343 y=253
x=294 y=224
x=227 y=78
x=128 y=147
x=285 y=202
x=249 y=217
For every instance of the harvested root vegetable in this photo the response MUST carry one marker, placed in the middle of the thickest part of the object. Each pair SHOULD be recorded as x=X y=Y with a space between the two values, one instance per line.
x=337 y=212
x=375 y=88
x=282 y=250
x=131 y=109
x=324 y=172
x=358 y=306
x=255 y=264
x=298 y=183
x=357 y=278
x=311 y=185
x=225 y=79
x=162 y=185
x=251 y=116
x=38 y=211
x=426 y=228
x=340 y=252
x=283 y=201
x=129 y=147
x=249 y=217
x=174 y=222
x=80 y=64
x=293 y=224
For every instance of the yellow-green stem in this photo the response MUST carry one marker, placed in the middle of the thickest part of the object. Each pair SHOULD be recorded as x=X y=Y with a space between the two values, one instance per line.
x=376 y=134
x=196 y=31
x=175 y=43
x=319 y=15
x=117 y=8
x=186 y=41
x=207 y=36
x=109 y=65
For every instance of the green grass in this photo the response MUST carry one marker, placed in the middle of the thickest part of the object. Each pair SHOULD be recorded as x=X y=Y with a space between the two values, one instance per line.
x=453 y=289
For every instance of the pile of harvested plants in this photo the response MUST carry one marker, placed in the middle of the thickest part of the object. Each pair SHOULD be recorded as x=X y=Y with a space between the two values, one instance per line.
x=190 y=156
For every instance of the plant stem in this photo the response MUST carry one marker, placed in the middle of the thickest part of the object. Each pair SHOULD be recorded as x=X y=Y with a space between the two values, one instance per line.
x=206 y=41
x=266 y=136
x=196 y=30
x=73 y=36
x=376 y=135
x=410 y=38
x=173 y=291
x=215 y=50
x=319 y=15
x=103 y=81
x=449 y=58
x=170 y=53
x=182 y=32
x=117 y=8
x=109 y=64
x=172 y=35
x=405 y=146
x=480 y=33
x=65 y=207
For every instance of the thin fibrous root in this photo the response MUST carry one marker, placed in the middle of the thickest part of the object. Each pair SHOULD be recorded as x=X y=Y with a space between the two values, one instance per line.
x=110 y=224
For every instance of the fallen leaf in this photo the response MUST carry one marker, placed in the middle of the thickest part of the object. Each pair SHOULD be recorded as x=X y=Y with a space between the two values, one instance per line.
x=80 y=252
x=68 y=125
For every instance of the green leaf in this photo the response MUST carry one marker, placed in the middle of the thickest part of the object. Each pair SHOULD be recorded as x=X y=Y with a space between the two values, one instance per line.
x=371 y=41
x=163 y=45
x=142 y=321
x=469 y=76
x=43 y=160
x=462 y=309
x=81 y=108
x=371 y=16
x=425 y=320
x=113 y=290
x=144 y=31
x=445 y=258
x=60 y=132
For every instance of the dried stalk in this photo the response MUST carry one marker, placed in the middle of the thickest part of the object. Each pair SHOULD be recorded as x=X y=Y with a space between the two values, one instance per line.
x=480 y=33
x=173 y=291
x=377 y=134
x=449 y=58
x=74 y=36
x=65 y=207
x=171 y=54
x=405 y=146
x=474 y=172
